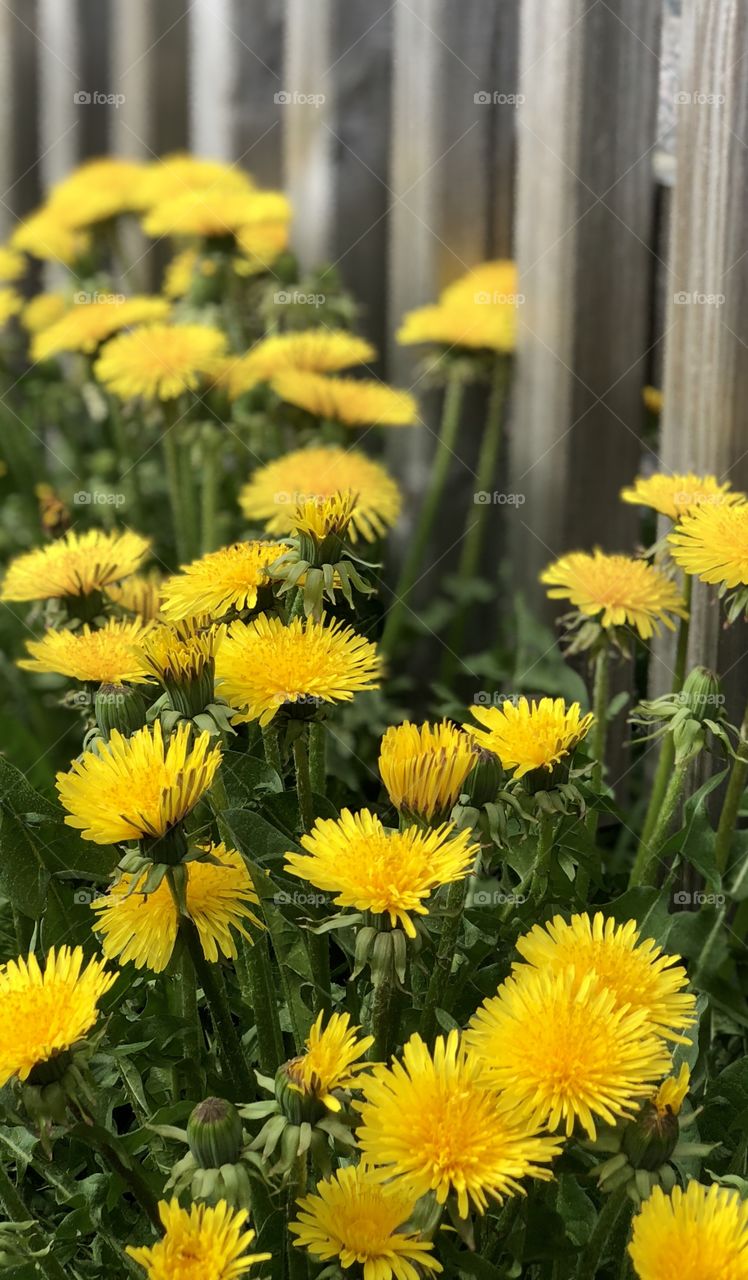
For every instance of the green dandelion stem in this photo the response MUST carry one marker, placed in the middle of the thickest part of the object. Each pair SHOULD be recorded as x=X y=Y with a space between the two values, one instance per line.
x=733 y=796
x=298 y=1263
x=443 y=455
x=303 y=781
x=599 y=733
x=667 y=747
x=17 y=1212
x=383 y=1016
x=171 y=465
x=318 y=945
x=648 y=855
x=445 y=954
x=209 y=492
x=615 y=1205
x=271 y=747
x=258 y=987
x=317 y=756
x=475 y=527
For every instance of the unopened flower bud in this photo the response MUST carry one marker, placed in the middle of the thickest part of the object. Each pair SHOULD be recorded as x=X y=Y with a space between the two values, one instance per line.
x=215 y=1134
x=483 y=781
x=119 y=706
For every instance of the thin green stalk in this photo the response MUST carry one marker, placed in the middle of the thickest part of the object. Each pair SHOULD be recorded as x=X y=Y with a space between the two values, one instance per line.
x=317 y=756
x=541 y=866
x=592 y=1255
x=271 y=746
x=475 y=528
x=733 y=796
x=317 y=944
x=440 y=467
x=445 y=954
x=171 y=465
x=599 y=735
x=383 y=1017
x=257 y=984
x=298 y=1259
x=644 y=871
x=667 y=748
x=209 y=492
x=17 y=1212
x=191 y=1017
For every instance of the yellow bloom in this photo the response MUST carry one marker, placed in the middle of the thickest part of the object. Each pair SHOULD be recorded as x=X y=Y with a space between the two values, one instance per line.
x=181 y=271
x=313 y=350
x=275 y=491
x=478 y=311
x=138 y=787
x=75 y=565
x=142 y=928
x=180 y=653
x=44 y=235
x=674 y=495
x=179 y=173
x=220 y=581
x=670 y=1096
x=637 y=973
x=369 y=867
x=712 y=543
x=425 y=766
x=12 y=263
x=355 y=1217
x=624 y=590
x=45 y=1012
x=488 y=284
x=159 y=361
x=356 y=402
x=432 y=1124
x=139 y=594
x=42 y=311
x=653 y=399
x=562 y=1049
x=330 y=515
x=200 y=1243
x=215 y=211
x=259 y=244
x=530 y=735
x=89 y=323
x=330 y=1060
x=105 y=656
x=263 y=664
x=697 y=1234
x=11 y=304
x=96 y=191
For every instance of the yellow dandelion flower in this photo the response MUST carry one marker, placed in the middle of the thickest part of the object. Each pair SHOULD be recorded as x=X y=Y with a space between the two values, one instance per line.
x=200 y=1243
x=330 y=1060
x=674 y=495
x=490 y=283
x=181 y=271
x=180 y=172
x=259 y=245
x=425 y=766
x=142 y=928
x=43 y=234
x=263 y=665
x=712 y=543
x=635 y=970
x=96 y=191
x=139 y=594
x=105 y=656
x=671 y=1095
x=220 y=581
x=313 y=350
x=179 y=653
x=330 y=515
x=215 y=211
x=691 y=1235
x=274 y=491
x=89 y=323
x=461 y=325
x=76 y=565
x=367 y=866
x=355 y=1217
x=42 y=311
x=44 y=1012
x=12 y=263
x=356 y=402
x=625 y=591
x=530 y=735
x=138 y=787
x=159 y=361
x=457 y=1139
x=11 y=304
x=563 y=1050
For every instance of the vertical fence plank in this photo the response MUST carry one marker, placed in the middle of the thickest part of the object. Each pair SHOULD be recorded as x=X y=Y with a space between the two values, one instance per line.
x=132 y=37
x=706 y=363
x=212 y=52
x=584 y=218
x=60 y=89
x=306 y=105
x=21 y=188
x=257 y=123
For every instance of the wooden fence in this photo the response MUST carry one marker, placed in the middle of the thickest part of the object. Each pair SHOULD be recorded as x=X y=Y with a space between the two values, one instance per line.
x=603 y=142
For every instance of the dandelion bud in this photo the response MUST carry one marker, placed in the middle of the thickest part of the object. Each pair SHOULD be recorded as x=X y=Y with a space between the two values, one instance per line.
x=650 y=1139
x=119 y=706
x=484 y=779
x=215 y=1133
x=702 y=693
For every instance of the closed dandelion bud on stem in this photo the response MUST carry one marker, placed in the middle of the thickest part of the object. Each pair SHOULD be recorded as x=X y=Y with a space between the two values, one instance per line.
x=119 y=706
x=483 y=781
x=214 y=1133
x=702 y=693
